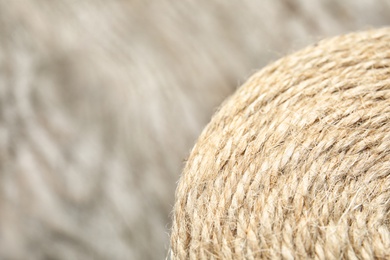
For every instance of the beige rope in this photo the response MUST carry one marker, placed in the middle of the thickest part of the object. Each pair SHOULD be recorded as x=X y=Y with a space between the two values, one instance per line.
x=296 y=164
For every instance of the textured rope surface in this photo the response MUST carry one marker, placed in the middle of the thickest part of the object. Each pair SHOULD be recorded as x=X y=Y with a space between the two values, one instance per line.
x=296 y=163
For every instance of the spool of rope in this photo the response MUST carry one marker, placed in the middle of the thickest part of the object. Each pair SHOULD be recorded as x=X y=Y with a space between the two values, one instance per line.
x=296 y=164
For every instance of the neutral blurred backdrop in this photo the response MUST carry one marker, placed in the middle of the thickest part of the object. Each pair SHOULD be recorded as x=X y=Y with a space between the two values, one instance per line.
x=102 y=100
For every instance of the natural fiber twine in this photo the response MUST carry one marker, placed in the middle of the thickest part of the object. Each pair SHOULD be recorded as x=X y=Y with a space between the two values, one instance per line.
x=296 y=164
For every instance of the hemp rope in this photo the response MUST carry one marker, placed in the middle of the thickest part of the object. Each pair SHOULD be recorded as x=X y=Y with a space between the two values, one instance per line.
x=296 y=164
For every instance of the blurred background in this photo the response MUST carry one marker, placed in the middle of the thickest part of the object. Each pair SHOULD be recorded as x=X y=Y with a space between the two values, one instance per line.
x=101 y=102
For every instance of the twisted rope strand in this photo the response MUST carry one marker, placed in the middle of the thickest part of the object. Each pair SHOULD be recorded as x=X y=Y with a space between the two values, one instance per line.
x=296 y=164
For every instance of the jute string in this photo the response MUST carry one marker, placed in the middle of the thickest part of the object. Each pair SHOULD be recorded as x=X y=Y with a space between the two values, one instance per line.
x=296 y=164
